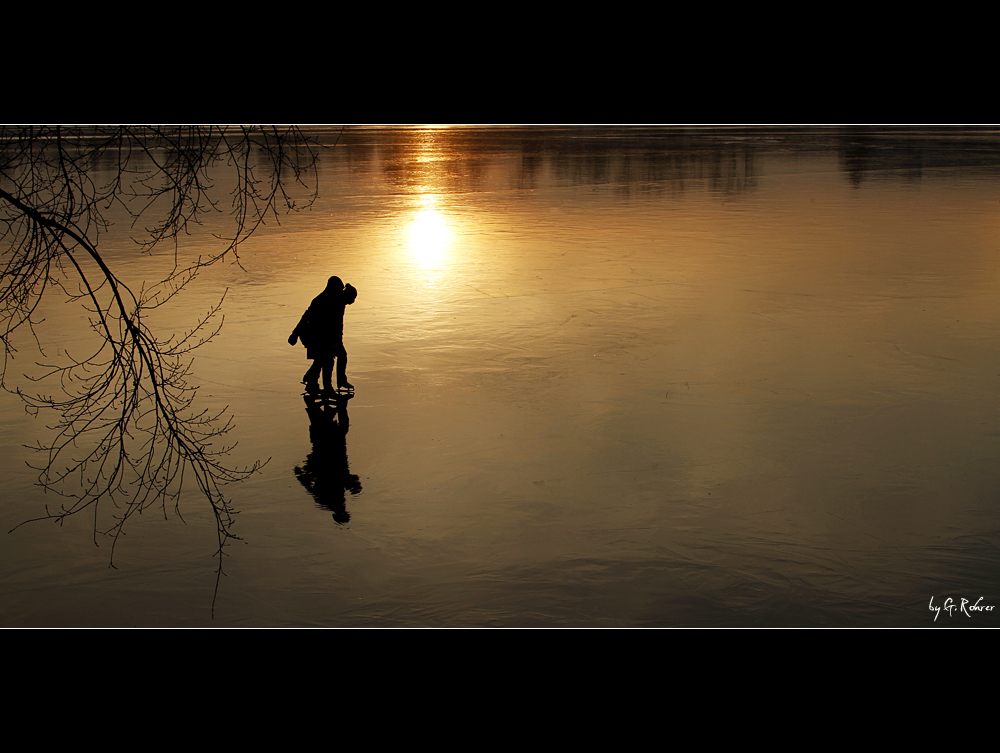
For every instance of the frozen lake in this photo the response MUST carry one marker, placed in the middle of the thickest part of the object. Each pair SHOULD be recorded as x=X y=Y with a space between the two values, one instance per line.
x=604 y=378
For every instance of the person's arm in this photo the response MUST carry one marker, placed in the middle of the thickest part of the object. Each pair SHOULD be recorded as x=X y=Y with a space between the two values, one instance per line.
x=293 y=338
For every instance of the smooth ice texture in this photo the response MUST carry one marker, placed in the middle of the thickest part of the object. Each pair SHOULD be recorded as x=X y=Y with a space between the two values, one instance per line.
x=604 y=378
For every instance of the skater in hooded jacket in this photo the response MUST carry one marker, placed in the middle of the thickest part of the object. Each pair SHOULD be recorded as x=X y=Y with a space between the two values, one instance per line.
x=321 y=330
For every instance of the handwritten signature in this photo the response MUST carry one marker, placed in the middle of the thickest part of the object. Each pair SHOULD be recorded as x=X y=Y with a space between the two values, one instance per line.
x=965 y=607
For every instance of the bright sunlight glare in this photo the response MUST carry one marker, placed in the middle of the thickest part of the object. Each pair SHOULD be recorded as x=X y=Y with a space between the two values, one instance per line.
x=429 y=237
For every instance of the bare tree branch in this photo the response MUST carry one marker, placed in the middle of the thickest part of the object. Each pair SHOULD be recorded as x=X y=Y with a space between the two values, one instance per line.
x=126 y=432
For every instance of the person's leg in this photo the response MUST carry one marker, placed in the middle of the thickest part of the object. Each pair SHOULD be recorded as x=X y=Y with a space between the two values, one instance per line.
x=341 y=353
x=327 y=375
x=311 y=378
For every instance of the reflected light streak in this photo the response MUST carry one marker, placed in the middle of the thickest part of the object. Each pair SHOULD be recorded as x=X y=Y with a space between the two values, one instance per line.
x=429 y=236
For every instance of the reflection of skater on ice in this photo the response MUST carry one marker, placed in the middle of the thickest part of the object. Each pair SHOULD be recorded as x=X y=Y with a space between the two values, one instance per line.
x=321 y=330
x=325 y=473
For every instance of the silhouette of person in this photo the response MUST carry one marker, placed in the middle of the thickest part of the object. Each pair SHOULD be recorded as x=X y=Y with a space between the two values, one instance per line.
x=321 y=330
x=325 y=473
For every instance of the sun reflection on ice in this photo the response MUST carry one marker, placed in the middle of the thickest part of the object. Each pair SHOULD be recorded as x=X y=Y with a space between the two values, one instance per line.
x=428 y=234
